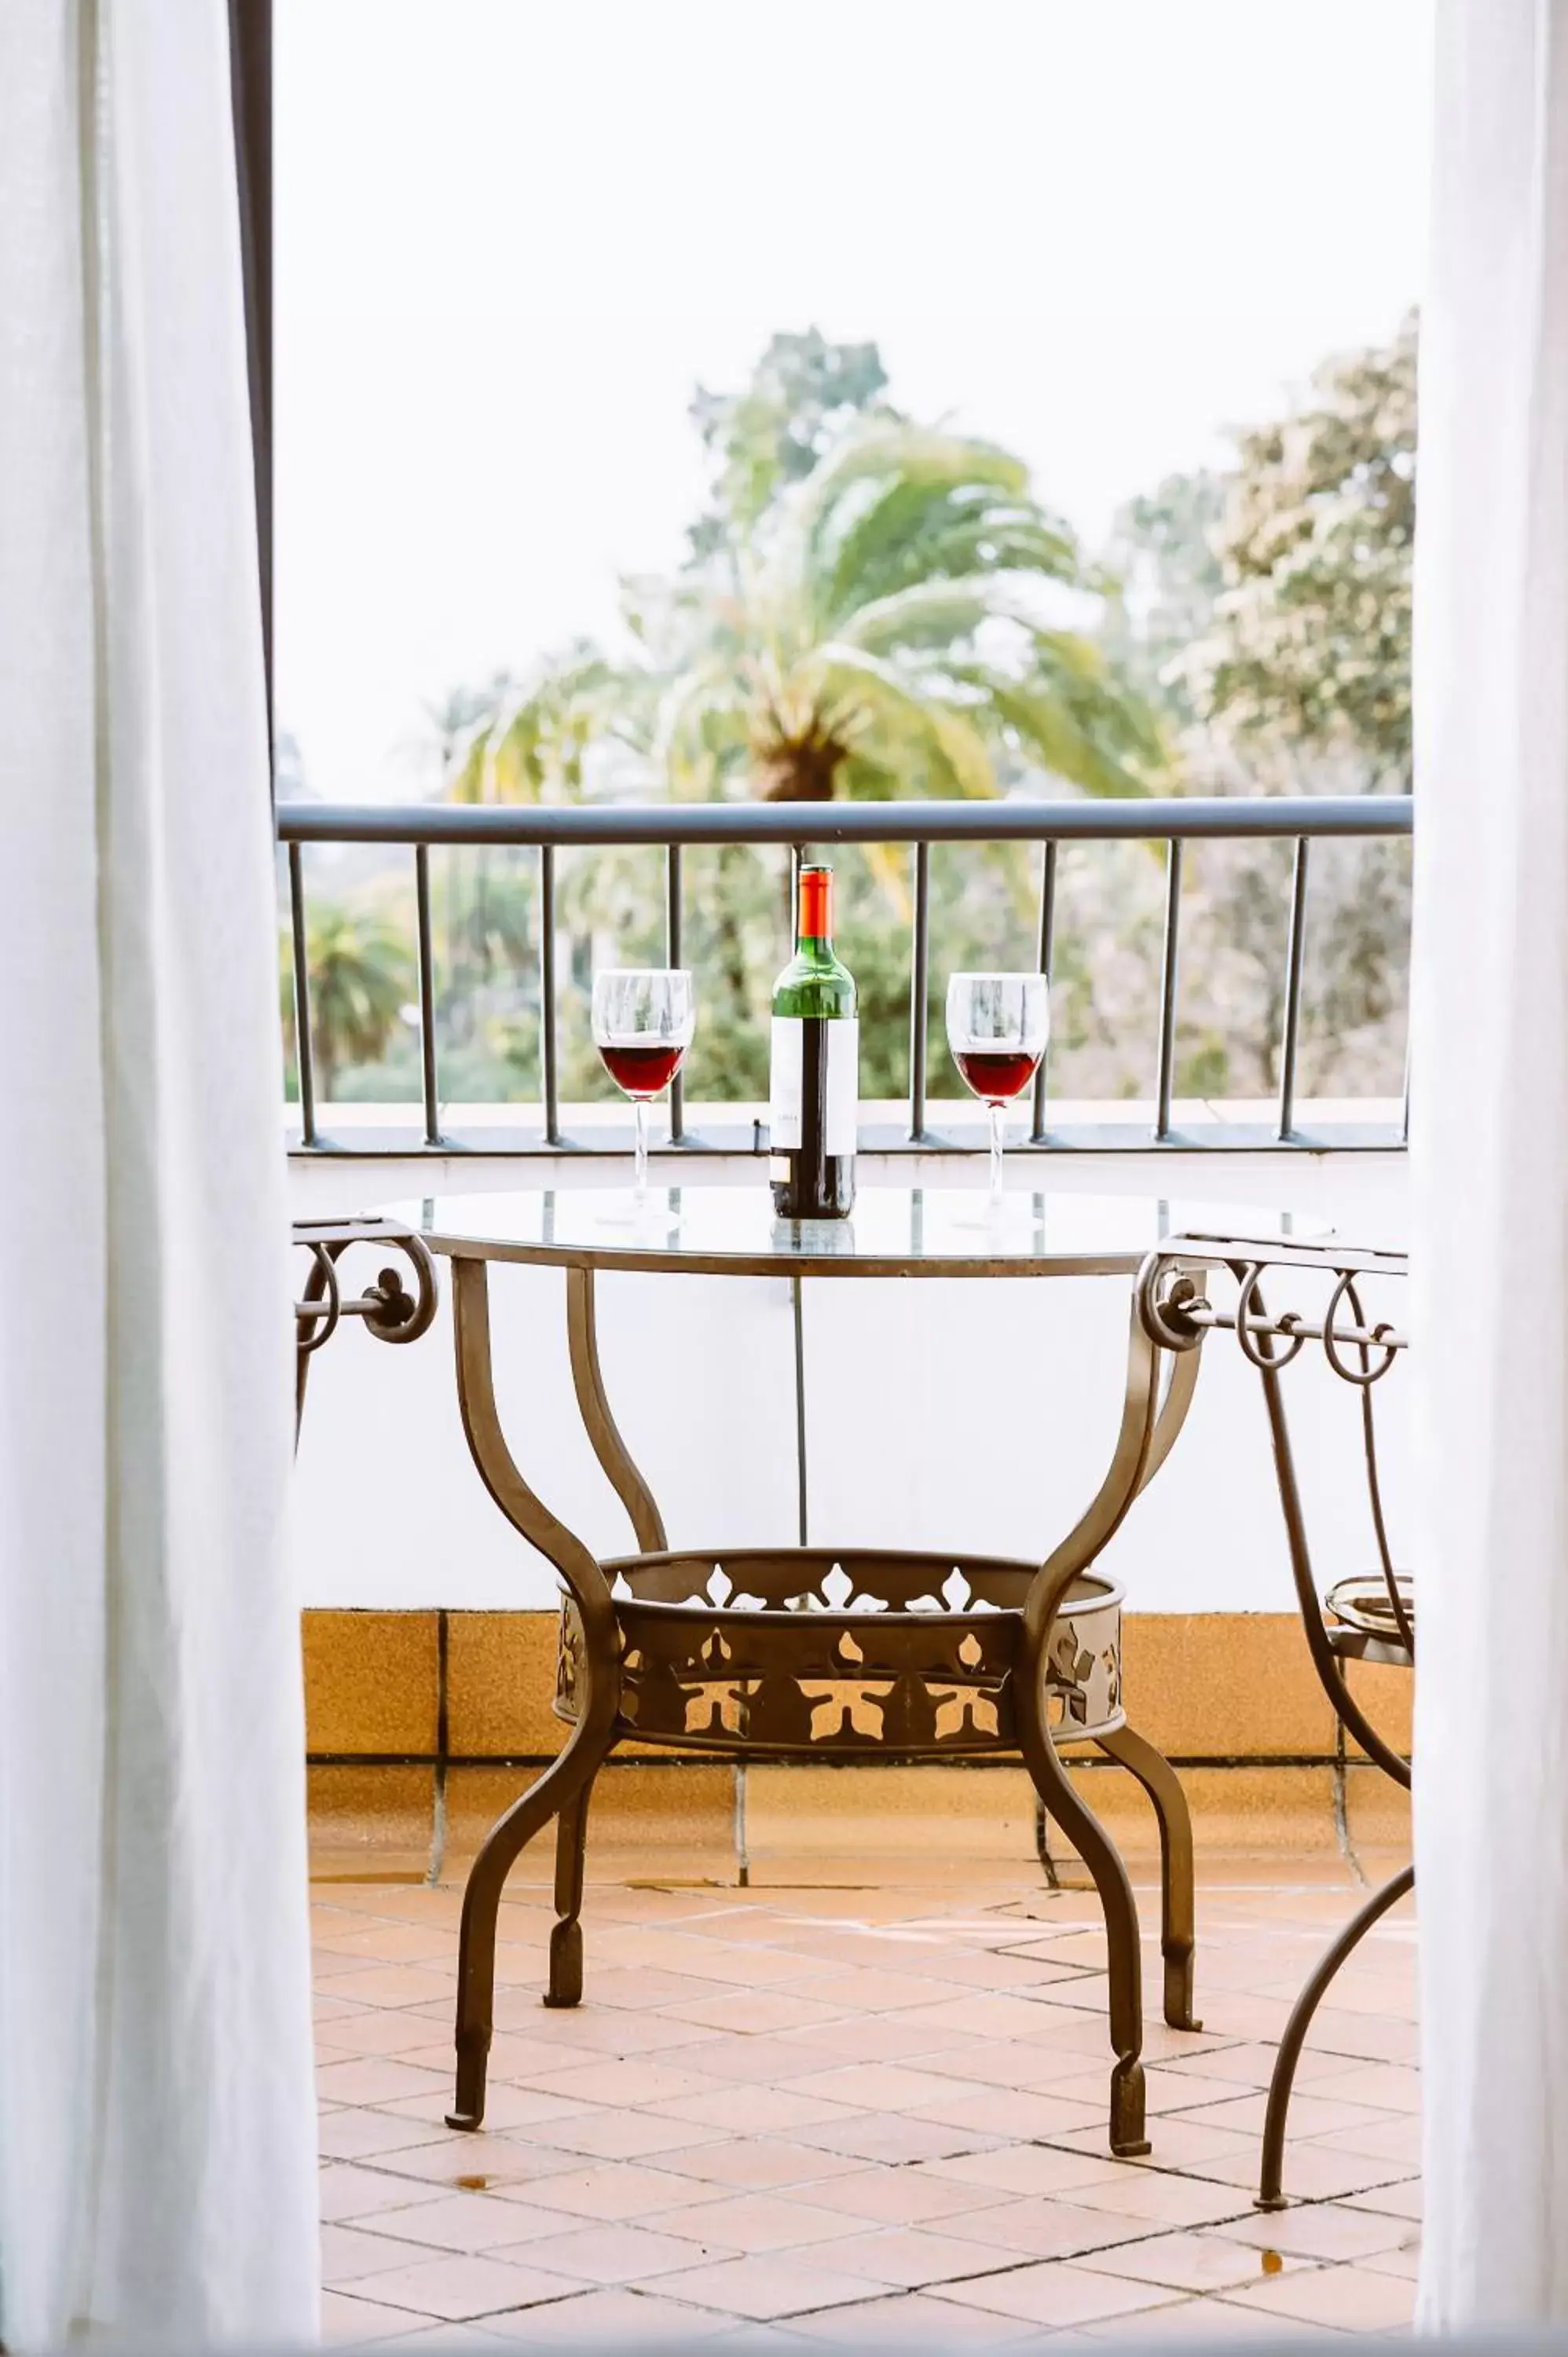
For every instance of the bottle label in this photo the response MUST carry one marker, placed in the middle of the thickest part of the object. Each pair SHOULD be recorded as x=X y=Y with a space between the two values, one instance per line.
x=841 y=1045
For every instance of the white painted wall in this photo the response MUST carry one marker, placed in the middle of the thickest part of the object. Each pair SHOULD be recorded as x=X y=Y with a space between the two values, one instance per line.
x=976 y=1414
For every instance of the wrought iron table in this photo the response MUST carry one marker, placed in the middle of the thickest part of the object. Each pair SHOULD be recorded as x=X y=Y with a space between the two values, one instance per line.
x=820 y=1652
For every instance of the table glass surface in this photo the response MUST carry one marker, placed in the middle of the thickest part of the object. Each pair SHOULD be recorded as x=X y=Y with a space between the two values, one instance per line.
x=893 y=1230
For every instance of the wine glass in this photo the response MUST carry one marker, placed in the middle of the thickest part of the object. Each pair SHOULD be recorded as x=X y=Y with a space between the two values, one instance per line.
x=998 y=1024
x=643 y=1020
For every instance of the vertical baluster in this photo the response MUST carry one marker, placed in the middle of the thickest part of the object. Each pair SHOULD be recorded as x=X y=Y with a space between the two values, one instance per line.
x=672 y=957
x=426 y=995
x=1293 y=955
x=1168 y=990
x=547 y=1040
x=919 y=991
x=1047 y=944
x=304 y=1063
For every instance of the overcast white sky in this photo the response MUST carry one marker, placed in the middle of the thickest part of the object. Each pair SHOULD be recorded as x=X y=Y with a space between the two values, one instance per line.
x=512 y=234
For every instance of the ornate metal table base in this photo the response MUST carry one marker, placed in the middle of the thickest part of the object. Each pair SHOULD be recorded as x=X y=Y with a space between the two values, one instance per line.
x=812 y=1653
x=1370 y=1617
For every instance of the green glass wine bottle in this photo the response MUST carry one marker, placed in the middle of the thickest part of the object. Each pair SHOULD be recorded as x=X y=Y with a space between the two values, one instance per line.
x=814 y=1089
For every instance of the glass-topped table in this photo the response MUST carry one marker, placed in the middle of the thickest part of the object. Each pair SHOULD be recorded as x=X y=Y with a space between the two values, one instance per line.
x=810 y=1651
x=893 y=1231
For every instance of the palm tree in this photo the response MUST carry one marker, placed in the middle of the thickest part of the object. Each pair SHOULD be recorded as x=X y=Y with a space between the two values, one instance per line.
x=361 y=973
x=885 y=629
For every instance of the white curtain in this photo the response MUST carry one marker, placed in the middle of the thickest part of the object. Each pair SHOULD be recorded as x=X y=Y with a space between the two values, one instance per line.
x=156 y=2143
x=1490 y=1173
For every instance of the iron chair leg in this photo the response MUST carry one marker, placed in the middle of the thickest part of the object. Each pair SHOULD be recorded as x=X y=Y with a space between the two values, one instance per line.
x=557 y=1790
x=1093 y=1845
x=1269 y=2193
x=1178 y=1927
x=565 y=1984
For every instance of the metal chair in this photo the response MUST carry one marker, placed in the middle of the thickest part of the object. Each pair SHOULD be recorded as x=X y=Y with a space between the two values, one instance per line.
x=1365 y=1617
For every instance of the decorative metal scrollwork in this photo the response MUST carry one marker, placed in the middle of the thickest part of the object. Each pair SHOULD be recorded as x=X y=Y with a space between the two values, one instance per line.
x=387 y=1308
x=1176 y=1315
x=890 y=1652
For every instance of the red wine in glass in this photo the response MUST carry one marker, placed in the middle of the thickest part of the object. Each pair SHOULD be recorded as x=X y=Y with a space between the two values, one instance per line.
x=997 y=1074
x=641 y=1068
x=643 y=1018
x=998 y=1024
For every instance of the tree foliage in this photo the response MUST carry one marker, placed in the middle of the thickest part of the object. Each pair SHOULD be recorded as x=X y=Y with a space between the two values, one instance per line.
x=1309 y=645
x=870 y=607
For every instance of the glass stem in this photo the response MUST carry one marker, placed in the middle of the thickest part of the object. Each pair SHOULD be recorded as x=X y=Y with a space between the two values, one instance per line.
x=639 y=1183
x=994 y=1114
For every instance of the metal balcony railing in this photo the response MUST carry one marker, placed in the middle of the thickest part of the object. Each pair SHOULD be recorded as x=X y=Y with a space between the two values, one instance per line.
x=547 y=829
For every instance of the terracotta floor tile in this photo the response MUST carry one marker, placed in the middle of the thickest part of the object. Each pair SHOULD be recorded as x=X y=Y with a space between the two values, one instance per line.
x=505 y=2107
x=615 y=2255
x=1056 y=2295
x=1026 y=2169
x=1161 y=2195
x=764 y=2287
x=897 y=2043
x=758 y=2060
x=1400 y=2200
x=905 y=2197
x=617 y=2192
x=375 y=2080
x=1319 y=2230
x=459 y=2288
x=877 y=1992
x=374 y=2030
x=873 y=2086
x=1404 y=2263
x=1311 y=2173
x=448 y=2162
x=607 y=2320
x=1395 y=2136
x=1179 y=2143
x=1388 y=2086
x=347 y=2193
x=758 y=2222
x=358 y=2322
x=758 y=2164
x=766 y=2012
x=1207 y=2321
x=872 y=2037
x=911 y=2258
x=1310 y=2115
x=1350 y=2297
x=389 y=1943
x=1193 y=2262
x=364 y=2135
x=393 y=1984
x=624 y=2084
x=1033 y=2228
x=762 y=2109
x=601 y=2134
x=468 y=2222
x=893 y=2137
x=349 y=2252
x=911 y=2321
x=1011 y=2112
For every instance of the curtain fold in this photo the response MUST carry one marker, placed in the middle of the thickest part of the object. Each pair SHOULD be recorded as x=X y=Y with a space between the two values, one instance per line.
x=1491 y=1172
x=158 y=2167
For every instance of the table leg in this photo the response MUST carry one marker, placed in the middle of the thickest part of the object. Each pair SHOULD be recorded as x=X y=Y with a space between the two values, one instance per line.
x=566 y=1933
x=1159 y=1779
x=1271 y=2194
x=1123 y=1958
x=1148 y=1429
x=563 y=1787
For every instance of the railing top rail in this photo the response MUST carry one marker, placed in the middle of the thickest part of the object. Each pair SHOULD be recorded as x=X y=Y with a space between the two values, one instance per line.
x=1177 y=819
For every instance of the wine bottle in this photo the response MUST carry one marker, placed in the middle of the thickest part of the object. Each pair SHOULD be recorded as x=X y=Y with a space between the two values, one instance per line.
x=814 y=1088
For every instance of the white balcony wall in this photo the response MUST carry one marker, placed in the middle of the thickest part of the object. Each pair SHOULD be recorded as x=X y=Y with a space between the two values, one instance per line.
x=941 y=1413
